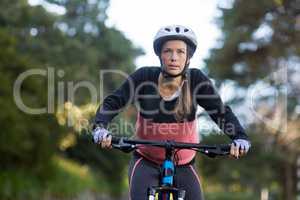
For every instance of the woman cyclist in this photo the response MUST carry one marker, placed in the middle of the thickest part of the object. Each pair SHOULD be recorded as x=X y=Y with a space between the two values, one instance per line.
x=167 y=98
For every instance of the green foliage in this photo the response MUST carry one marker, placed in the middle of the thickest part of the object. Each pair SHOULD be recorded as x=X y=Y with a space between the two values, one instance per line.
x=247 y=175
x=21 y=142
x=261 y=37
x=68 y=179
x=112 y=163
x=32 y=38
x=19 y=184
x=256 y=35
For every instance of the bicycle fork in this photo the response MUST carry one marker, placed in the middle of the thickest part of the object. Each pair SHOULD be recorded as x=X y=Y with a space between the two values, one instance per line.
x=166 y=191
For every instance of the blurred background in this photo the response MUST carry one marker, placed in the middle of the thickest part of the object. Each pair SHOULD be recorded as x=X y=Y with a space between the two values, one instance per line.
x=51 y=55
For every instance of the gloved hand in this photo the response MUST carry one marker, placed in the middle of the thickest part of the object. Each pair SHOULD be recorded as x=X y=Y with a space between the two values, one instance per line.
x=102 y=136
x=239 y=147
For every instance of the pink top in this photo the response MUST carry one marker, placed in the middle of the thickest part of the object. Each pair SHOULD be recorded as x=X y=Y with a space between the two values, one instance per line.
x=179 y=132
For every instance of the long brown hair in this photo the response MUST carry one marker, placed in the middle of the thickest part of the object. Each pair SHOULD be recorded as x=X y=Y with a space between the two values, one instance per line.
x=184 y=102
x=183 y=105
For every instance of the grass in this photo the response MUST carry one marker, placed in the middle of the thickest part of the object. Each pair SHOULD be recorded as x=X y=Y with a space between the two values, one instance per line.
x=66 y=179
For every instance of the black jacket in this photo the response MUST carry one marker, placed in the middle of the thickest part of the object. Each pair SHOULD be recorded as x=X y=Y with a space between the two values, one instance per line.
x=140 y=89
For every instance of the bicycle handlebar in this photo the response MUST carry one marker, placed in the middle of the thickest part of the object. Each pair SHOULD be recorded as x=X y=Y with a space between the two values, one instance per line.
x=128 y=145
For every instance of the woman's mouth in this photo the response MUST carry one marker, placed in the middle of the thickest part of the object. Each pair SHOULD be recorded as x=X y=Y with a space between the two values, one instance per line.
x=173 y=67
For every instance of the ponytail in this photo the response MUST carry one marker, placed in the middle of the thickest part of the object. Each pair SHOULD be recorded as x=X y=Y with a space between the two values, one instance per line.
x=184 y=102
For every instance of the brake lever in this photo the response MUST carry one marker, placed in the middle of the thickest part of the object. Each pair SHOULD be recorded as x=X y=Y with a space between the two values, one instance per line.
x=212 y=153
x=125 y=147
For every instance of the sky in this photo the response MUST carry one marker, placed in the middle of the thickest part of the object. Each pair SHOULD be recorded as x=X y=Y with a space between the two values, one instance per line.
x=139 y=20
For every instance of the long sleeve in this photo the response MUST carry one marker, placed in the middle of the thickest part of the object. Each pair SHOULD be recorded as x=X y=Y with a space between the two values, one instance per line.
x=120 y=98
x=208 y=98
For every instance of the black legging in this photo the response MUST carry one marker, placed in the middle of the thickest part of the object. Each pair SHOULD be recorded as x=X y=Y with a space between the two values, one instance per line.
x=143 y=173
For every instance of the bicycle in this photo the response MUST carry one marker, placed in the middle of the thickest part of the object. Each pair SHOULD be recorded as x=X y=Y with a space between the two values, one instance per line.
x=166 y=190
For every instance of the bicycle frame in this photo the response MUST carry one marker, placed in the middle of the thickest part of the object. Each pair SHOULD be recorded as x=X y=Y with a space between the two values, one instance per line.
x=166 y=190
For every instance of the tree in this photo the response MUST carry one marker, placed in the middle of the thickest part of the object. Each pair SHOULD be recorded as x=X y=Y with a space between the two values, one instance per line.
x=27 y=142
x=259 y=40
x=76 y=43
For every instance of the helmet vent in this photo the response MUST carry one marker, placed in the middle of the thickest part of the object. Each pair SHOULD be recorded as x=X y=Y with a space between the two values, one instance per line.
x=174 y=32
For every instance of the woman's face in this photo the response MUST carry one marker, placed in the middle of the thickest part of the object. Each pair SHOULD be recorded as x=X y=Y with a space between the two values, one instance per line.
x=173 y=56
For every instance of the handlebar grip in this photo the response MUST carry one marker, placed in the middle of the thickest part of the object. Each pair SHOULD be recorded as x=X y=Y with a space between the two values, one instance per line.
x=225 y=147
x=115 y=140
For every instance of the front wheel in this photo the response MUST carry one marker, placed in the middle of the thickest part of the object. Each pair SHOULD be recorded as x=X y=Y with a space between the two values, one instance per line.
x=165 y=193
x=181 y=194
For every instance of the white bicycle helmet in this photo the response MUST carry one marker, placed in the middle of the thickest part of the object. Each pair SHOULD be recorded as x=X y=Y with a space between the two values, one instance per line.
x=174 y=32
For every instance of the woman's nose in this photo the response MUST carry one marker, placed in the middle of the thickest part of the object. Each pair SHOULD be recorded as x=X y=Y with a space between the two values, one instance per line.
x=174 y=57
